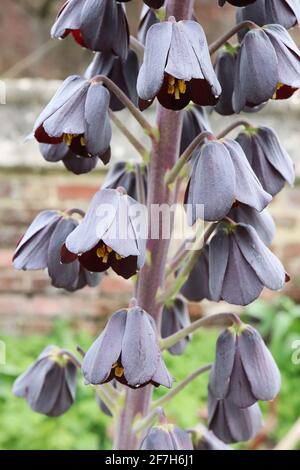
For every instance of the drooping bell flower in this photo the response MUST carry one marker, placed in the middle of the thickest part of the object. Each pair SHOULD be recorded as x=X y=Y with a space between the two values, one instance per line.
x=177 y=67
x=99 y=25
x=203 y=439
x=74 y=163
x=283 y=12
x=196 y=288
x=123 y=174
x=49 y=384
x=225 y=70
x=111 y=234
x=262 y=222
x=123 y=74
x=71 y=276
x=230 y=423
x=128 y=351
x=195 y=121
x=268 y=67
x=166 y=436
x=221 y=177
x=40 y=248
x=148 y=18
x=175 y=317
x=244 y=370
x=268 y=159
x=240 y=265
x=236 y=3
x=32 y=250
x=77 y=115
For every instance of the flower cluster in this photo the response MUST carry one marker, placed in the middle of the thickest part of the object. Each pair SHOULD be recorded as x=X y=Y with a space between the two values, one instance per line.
x=232 y=180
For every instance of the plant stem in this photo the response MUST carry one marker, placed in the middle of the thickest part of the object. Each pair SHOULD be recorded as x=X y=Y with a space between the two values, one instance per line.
x=168 y=396
x=137 y=114
x=140 y=185
x=220 y=319
x=137 y=47
x=233 y=126
x=223 y=39
x=148 y=421
x=130 y=137
x=165 y=152
x=172 y=174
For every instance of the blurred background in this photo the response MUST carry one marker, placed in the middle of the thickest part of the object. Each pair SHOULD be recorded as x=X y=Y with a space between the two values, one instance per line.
x=33 y=314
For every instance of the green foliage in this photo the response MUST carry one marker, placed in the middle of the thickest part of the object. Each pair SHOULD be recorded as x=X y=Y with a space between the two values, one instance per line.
x=86 y=427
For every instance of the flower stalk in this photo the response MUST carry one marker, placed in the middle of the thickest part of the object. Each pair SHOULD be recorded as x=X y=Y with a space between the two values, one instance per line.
x=181 y=386
x=223 y=39
x=210 y=321
x=128 y=103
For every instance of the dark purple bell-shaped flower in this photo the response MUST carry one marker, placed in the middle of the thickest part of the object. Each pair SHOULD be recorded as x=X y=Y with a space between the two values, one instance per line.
x=71 y=276
x=77 y=115
x=99 y=25
x=148 y=19
x=196 y=287
x=49 y=384
x=177 y=67
x=268 y=67
x=283 y=12
x=32 y=250
x=206 y=440
x=225 y=70
x=195 y=121
x=244 y=370
x=128 y=351
x=240 y=265
x=123 y=174
x=230 y=423
x=110 y=235
x=221 y=177
x=236 y=3
x=74 y=163
x=268 y=159
x=262 y=222
x=174 y=318
x=166 y=436
x=40 y=248
x=123 y=74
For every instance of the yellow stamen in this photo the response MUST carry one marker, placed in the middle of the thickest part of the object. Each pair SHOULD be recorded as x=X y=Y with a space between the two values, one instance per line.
x=103 y=253
x=118 y=257
x=67 y=138
x=119 y=371
x=278 y=87
x=182 y=86
x=176 y=87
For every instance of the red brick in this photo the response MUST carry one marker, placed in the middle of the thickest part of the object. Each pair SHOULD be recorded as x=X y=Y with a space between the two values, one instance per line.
x=76 y=191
